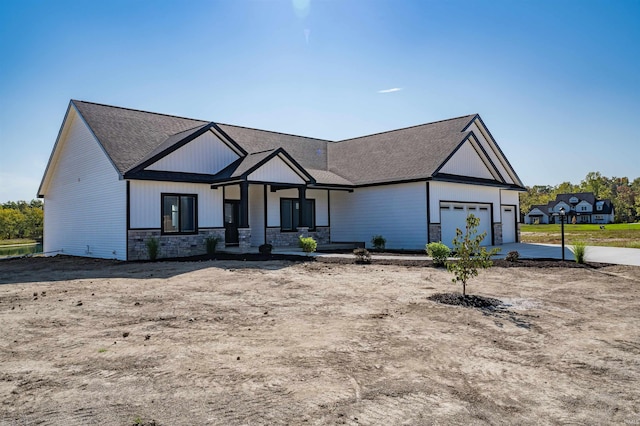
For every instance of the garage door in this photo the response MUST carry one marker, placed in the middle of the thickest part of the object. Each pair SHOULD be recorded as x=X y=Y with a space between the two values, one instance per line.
x=454 y=215
x=508 y=224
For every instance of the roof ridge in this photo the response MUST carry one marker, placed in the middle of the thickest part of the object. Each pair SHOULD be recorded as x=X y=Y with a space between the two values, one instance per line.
x=409 y=127
x=140 y=110
x=273 y=131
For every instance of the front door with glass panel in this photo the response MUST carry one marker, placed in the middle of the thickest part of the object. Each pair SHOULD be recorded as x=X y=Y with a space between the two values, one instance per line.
x=231 y=220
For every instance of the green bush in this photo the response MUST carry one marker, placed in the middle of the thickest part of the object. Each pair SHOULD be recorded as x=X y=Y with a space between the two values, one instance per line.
x=362 y=255
x=439 y=252
x=512 y=256
x=308 y=244
x=212 y=243
x=153 y=248
x=378 y=242
x=579 y=250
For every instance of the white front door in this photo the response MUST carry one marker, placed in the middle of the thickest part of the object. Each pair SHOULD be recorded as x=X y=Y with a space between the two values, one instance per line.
x=508 y=224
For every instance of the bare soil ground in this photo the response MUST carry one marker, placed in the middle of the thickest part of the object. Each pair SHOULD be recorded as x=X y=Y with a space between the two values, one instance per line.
x=226 y=342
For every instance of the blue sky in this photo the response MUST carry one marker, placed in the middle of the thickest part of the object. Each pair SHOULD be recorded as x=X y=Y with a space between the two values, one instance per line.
x=556 y=82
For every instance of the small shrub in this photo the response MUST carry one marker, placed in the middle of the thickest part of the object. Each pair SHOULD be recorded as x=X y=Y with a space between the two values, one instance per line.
x=579 y=250
x=265 y=249
x=378 y=242
x=362 y=255
x=439 y=252
x=212 y=243
x=308 y=244
x=153 y=248
x=512 y=256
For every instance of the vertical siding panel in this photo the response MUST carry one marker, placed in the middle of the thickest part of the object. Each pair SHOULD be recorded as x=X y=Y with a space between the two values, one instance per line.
x=85 y=203
x=488 y=146
x=205 y=154
x=466 y=162
x=275 y=170
x=397 y=212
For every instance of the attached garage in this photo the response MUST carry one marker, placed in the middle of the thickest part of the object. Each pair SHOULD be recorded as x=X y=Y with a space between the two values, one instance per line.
x=454 y=216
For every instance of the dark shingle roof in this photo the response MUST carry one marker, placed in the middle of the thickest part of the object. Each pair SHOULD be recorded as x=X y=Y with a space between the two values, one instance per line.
x=581 y=196
x=410 y=153
x=309 y=152
x=129 y=135
x=132 y=137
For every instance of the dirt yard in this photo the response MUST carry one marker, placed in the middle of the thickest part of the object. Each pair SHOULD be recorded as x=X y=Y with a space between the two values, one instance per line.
x=86 y=342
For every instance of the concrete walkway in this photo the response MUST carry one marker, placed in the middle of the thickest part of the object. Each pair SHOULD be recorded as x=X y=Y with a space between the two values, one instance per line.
x=615 y=255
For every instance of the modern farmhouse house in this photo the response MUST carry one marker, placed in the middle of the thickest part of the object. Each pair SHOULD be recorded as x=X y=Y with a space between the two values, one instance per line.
x=118 y=177
x=582 y=206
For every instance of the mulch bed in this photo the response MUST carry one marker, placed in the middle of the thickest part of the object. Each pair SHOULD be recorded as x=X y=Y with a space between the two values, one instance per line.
x=469 y=301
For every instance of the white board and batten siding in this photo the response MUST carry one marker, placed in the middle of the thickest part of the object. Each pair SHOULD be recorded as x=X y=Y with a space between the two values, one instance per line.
x=277 y=171
x=492 y=150
x=319 y=195
x=85 y=200
x=467 y=162
x=146 y=202
x=397 y=212
x=205 y=154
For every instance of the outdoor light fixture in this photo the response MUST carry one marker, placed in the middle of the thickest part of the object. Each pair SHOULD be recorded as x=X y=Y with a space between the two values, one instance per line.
x=562 y=213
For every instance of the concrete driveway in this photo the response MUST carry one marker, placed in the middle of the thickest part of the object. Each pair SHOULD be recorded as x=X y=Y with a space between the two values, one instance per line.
x=616 y=255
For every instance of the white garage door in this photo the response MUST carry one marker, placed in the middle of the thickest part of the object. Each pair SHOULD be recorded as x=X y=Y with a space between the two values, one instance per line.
x=454 y=215
x=508 y=224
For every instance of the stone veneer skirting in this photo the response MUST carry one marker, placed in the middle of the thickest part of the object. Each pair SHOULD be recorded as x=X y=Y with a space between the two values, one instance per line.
x=276 y=238
x=171 y=245
x=497 y=234
x=435 y=232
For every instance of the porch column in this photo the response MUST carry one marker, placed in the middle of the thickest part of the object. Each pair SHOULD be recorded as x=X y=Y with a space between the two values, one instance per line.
x=244 y=205
x=302 y=197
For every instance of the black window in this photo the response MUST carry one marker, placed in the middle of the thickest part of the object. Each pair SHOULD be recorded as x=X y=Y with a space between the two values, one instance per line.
x=290 y=214
x=179 y=214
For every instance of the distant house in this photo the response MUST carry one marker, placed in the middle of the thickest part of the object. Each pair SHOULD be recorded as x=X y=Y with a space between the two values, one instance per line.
x=582 y=206
x=118 y=177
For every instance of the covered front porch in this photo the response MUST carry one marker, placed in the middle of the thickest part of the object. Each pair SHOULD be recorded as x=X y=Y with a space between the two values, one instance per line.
x=269 y=198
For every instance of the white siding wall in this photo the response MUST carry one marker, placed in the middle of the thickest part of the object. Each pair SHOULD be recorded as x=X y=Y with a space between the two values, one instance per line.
x=85 y=202
x=467 y=162
x=510 y=197
x=446 y=191
x=273 y=205
x=322 y=207
x=397 y=212
x=232 y=192
x=256 y=214
x=276 y=170
x=145 y=202
x=491 y=150
x=204 y=154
